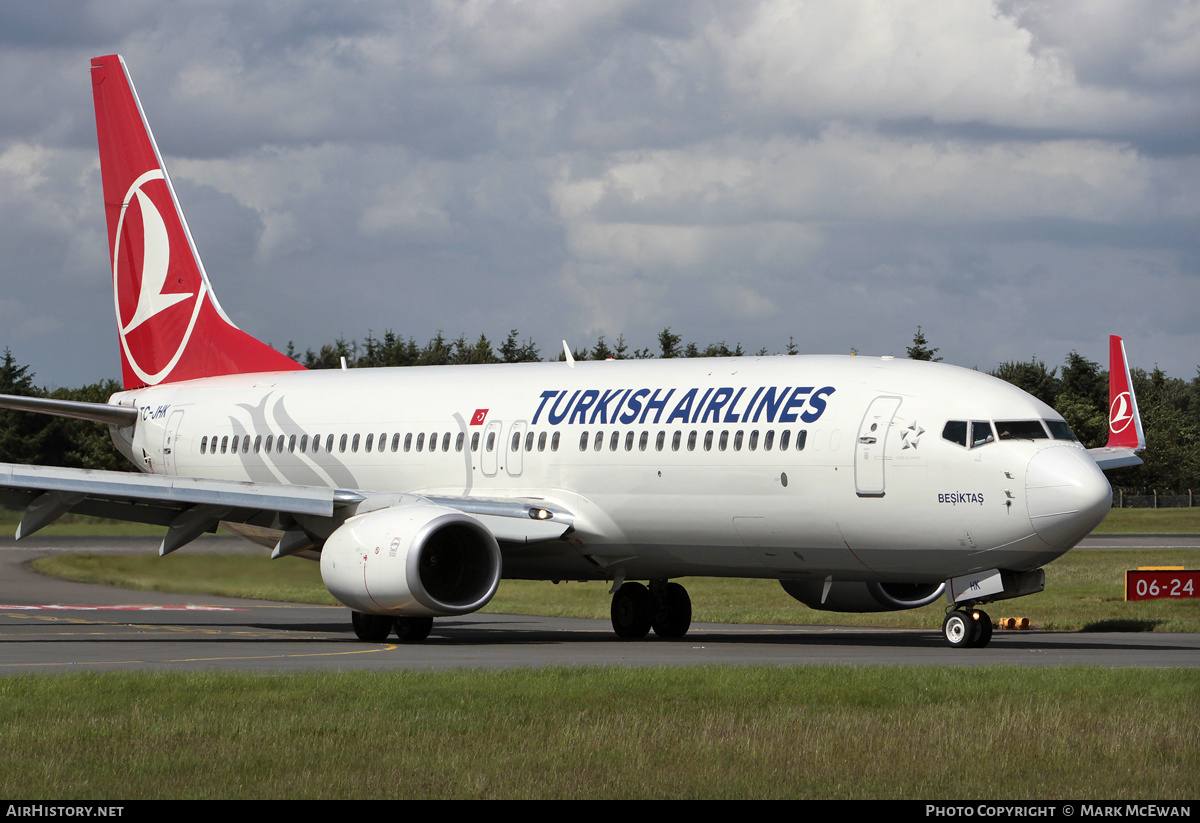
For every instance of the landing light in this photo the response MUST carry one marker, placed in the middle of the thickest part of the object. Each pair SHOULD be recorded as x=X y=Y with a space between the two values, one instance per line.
x=541 y=514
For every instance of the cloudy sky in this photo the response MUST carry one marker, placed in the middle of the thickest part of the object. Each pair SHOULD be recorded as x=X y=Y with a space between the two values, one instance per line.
x=1018 y=178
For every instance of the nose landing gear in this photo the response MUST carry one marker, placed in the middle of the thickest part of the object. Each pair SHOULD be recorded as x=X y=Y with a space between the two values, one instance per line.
x=967 y=628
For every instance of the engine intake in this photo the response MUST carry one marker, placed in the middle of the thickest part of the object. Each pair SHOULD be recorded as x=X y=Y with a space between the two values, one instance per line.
x=412 y=559
x=852 y=596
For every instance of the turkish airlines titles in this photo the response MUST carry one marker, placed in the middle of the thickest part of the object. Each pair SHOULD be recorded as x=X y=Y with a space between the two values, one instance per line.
x=715 y=405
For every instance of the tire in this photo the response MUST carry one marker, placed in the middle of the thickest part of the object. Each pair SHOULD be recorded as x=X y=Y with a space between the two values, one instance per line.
x=983 y=628
x=672 y=612
x=412 y=629
x=632 y=611
x=959 y=629
x=373 y=628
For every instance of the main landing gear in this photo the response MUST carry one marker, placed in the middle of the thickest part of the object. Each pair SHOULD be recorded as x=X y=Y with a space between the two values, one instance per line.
x=375 y=628
x=664 y=607
x=967 y=629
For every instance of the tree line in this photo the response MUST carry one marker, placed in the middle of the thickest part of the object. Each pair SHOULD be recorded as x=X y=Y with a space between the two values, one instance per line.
x=1078 y=390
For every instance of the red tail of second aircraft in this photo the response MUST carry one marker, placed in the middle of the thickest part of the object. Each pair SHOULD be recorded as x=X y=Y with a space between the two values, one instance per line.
x=1124 y=422
x=170 y=324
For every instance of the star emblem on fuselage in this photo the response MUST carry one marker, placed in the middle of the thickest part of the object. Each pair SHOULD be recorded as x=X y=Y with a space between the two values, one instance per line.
x=911 y=436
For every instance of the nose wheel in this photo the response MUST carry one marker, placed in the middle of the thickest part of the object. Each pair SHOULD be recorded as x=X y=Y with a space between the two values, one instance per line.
x=967 y=628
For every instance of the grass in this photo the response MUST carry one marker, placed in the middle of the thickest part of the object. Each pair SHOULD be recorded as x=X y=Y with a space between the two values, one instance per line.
x=704 y=732
x=1084 y=590
x=1151 y=521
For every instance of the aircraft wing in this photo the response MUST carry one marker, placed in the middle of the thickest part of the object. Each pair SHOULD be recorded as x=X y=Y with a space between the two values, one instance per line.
x=190 y=506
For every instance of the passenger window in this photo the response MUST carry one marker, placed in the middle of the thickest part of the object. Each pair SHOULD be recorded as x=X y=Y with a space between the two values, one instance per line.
x=753 y=444
x=341 y=443
x=396 y=442
x=643 y=441
x=785 y=437
x=204 y=444
x=516 y=441
x=542 y=442
x=737 y=441
x=723 y=443
x=708 y=438
x=692 y=441
x=675 y=438
x=458 y=441
x=433 y=442
x=554 y=442
x=801 y=439
x=491 y=442
x=329 y=443
x=583 y=441
x=446 y=442
x=224 y=443
x=475 y=442
x=421 y=442
x=629 y=441
x=659 y=440
x=599 y=441
x=529 y=442
x=767 y=440
x=408 y=442
x=234 y=445
x=612 y=441
x=258 y=444
x=246 y=444
x=370 y=442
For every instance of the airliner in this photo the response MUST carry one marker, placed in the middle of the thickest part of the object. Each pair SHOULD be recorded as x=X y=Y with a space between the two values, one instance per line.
x=862 y=484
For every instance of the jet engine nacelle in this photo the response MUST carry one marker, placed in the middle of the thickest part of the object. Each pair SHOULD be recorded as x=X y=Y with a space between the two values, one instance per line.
x=850 y=596
x=412 y=559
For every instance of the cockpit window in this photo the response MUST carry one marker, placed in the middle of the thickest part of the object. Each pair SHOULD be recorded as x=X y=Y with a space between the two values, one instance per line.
x=1021 y=430
x=981 y=433
x=1059 y=430
x=956 y=432
x=974 y=434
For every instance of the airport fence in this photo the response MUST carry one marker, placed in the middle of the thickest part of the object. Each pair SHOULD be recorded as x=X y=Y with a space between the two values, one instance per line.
x=1150 y=499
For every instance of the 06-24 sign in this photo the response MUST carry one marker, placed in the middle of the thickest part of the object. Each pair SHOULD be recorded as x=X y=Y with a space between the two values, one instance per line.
x=1155 y=584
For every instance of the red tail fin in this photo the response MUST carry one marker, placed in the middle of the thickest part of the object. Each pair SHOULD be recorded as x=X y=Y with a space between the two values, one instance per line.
x=170 y=324
x=1124 y=422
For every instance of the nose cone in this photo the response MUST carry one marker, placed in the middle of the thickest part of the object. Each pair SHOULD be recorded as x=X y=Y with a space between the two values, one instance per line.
x=1067 y=495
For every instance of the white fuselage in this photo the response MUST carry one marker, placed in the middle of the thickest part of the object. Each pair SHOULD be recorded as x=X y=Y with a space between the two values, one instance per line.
x=876 y=492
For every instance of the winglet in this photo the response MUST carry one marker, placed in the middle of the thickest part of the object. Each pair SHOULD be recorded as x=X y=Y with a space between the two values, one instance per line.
x=1124 y=422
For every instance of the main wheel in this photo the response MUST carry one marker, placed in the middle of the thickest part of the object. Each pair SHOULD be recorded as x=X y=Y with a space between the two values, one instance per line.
x=672 y=611
x=632 y=611
x=983 y=627
x=413 y=629
x=374 y=628
x=959 y=629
